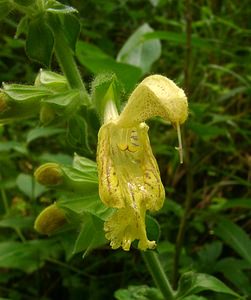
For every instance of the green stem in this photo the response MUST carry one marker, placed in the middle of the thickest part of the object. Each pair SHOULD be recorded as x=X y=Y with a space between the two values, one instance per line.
x=159 y=277
x=67 y=63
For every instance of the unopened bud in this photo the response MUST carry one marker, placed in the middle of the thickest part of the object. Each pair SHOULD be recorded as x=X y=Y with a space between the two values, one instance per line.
x=51 y=80
x=50 y=220
x=49 y=174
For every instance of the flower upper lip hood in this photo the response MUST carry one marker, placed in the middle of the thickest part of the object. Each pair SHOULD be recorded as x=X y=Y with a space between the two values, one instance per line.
x=156 y=95
x=129 y=178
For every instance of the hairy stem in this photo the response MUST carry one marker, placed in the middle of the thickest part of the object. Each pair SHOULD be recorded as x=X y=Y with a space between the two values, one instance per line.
x=67 y=63
x=159 y=277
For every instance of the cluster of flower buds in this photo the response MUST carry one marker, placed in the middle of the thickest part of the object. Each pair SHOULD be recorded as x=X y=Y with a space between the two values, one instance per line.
x=78 y=179
x=50 y=97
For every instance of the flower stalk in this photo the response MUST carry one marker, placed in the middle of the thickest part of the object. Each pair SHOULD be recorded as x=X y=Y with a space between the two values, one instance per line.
x=159 y=277
x=66 y=60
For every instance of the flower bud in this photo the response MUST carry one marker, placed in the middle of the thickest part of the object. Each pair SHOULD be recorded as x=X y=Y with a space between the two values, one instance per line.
x=49 y=174
x=23 y=101
x=51 y=80
x=50 y=220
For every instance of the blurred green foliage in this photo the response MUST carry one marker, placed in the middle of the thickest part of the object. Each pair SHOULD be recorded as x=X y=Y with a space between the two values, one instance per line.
x=215 y=71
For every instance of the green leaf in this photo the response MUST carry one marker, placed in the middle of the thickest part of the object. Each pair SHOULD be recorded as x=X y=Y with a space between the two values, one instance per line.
x=87 y=204
x=98 y=62
x=237 y=202
x=17 y=222
x=206 y=131
x=5 y=8
x=152 y=228
x=40 y=41
x=56 y=7
x=84 y=164
x=77 y=134
x=139 y=52
x=21 y=92
x=79 y=182
x=65 y=103
x=12 y=145
x=180 y=39
x=235 y=237
x=90 y=50
x=22 y=26
x=194 y=297
x=28 y=256
x=28 y=185
x=25 y=2
x=60 y=158
x=42 y=132
x=91 y=234
x=141 y=292
x=105 y=88
x=71 y=28
x=235 y=271
x=51 y=80
x=191 y=283
x=208 y=256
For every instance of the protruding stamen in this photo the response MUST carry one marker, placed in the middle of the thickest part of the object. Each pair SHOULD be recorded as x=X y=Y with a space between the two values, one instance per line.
x=179 y=148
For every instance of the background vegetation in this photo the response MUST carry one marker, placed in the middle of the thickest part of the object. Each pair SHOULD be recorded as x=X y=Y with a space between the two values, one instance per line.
x=205 y=222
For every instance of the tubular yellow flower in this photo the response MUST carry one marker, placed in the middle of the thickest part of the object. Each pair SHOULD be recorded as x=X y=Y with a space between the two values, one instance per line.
x=129 y=178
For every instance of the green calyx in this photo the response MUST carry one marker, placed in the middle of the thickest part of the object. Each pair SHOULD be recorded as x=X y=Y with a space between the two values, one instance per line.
x=51 y=80
x=50 y=97
x=106 y=90
x=19 y=102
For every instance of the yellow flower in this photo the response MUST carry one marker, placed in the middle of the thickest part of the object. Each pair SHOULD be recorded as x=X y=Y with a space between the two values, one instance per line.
x=129 y=178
